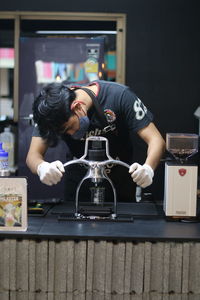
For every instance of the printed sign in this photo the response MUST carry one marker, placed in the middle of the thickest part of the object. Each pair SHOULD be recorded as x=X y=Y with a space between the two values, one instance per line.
x=13 y=204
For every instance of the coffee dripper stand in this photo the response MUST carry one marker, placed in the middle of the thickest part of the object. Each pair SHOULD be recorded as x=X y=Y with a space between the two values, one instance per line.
x=98 y=158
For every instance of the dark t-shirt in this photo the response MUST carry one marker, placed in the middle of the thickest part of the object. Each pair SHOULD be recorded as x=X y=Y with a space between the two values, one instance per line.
x=126 y=112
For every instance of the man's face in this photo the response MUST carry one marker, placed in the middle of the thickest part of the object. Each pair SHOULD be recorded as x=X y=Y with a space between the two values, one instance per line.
x=71 y=126
x=73 y=123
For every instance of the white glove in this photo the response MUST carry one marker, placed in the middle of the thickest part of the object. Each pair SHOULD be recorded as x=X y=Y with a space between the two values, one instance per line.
x=142 y=175
x=50 y=173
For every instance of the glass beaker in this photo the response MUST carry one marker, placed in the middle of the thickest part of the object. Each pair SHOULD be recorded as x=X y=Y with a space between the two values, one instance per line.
x=97 y=194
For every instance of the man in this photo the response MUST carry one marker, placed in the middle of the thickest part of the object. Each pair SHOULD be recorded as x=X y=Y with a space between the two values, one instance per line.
x=102 y=108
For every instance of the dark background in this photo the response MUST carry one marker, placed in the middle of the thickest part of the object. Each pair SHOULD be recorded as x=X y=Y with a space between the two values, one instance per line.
x=162 y=55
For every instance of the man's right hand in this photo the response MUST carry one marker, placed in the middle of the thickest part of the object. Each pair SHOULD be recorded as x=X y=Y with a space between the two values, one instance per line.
x=50 y=173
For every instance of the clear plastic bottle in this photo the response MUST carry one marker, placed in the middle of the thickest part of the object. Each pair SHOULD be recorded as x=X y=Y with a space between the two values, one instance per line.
x=8 y=144
x=4 y=171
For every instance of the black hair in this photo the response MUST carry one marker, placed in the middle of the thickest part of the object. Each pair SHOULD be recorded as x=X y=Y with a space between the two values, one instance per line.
x=51 y=109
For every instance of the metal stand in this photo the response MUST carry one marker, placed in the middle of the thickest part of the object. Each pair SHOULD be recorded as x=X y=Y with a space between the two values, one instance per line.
x=96 y=172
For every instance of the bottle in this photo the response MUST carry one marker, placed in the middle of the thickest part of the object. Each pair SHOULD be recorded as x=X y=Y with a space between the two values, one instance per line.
x=8 y=141
x=4 y=171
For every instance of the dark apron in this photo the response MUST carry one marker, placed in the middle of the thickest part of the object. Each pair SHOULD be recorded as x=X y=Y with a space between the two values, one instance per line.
x=121 y=179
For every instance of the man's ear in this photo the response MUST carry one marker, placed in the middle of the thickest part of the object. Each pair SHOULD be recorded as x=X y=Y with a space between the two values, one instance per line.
x=76 y=105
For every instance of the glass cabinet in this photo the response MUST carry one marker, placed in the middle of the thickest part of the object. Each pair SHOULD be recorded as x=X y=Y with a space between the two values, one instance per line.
x=111 y=28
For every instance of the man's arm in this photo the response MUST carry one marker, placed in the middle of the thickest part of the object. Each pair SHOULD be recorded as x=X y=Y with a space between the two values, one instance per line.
x=142 y=175
x=49 y=173
x=155 y=142
x=36 y=153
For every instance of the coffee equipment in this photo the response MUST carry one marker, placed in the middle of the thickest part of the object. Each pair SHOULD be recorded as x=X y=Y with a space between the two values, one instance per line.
x=180 y=194
x=96 y=157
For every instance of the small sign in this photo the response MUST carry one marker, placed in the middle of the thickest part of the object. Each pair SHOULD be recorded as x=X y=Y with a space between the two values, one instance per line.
x=13 y=204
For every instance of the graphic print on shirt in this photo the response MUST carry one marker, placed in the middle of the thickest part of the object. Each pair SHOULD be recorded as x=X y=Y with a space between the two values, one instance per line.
x=140 y=109
x=111 y=117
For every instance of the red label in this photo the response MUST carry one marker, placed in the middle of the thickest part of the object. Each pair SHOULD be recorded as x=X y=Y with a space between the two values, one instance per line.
x=182 y=171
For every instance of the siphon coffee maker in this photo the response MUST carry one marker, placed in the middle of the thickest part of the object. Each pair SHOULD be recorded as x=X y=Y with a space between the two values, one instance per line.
x=181 y=176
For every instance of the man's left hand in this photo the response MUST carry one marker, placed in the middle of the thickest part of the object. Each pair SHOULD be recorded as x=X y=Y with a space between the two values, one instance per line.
x=142 y=175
